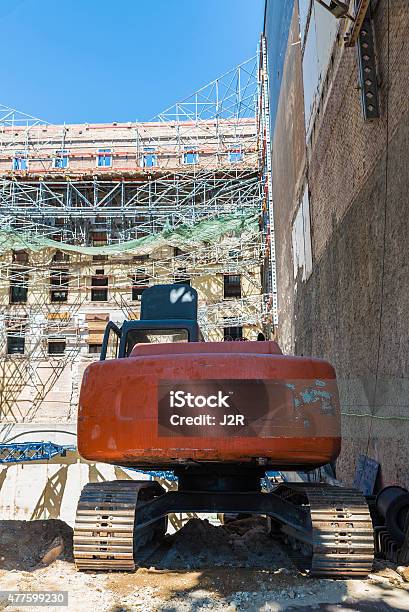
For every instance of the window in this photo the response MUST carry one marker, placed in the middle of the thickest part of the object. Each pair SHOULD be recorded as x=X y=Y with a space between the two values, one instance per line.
x=99 y=295
x=234 y=253
x=235 y=156
x=110 y=345
x=157 y=336
x=18 y=286
x=104 y=158
x=99 y=287
x=99 y=239
x=232 y=286
x=56 y=347
x=60 y=256
x=15 y=345
x=61 y=159
x=150 y=159
x=59 y=281
x=94 y=349
x=20 y=256
x=140 y=258
x=177 y=251
x=190 y=156
x=181 y=277
x=301 y=239
x=20 y=161
x=232 y=333
x=17 y=223
x=139 y=284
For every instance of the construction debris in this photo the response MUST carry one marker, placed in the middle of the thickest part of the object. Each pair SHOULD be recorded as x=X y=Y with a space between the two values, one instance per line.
x=25 y=545
x=166 y=583
x=404 y=572
x=194 y=546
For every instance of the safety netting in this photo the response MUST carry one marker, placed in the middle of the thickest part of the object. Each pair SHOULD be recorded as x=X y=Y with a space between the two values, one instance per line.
x=186 y=236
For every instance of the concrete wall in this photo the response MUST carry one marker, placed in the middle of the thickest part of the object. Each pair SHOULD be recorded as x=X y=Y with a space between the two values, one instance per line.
x=288 y=157
x=353 y=307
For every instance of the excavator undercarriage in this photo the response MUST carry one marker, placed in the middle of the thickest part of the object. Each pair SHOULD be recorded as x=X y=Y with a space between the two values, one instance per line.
x=329 y=526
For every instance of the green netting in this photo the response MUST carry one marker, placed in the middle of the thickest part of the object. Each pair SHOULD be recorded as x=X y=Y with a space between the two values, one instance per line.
x=183 y=237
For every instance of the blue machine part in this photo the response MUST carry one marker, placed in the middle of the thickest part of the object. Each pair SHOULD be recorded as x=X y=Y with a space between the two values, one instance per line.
x=22 y=452
x=165 y=474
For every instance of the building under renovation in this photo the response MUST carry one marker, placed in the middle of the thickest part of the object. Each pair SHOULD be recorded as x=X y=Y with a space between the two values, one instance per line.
x=90 y=216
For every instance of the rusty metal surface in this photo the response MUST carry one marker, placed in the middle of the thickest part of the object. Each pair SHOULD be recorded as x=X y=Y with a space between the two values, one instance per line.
x=119 y=401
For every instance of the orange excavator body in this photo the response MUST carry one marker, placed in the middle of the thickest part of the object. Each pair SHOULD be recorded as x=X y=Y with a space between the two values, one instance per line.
x=169 y=405
x=220 y=416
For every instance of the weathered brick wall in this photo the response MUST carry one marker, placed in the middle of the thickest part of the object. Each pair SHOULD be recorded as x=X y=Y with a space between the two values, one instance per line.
x=345 y=150
x=354 y=308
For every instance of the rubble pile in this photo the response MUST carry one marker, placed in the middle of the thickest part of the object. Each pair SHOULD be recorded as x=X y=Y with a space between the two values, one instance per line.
x=242 y=543
x=27 y=544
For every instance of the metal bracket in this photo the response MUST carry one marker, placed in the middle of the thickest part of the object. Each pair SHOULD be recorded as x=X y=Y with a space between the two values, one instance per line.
x=367 y=70
x=361 y=10
x=337 y=8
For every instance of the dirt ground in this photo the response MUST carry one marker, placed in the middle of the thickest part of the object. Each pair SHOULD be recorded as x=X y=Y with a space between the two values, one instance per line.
x=201 y=567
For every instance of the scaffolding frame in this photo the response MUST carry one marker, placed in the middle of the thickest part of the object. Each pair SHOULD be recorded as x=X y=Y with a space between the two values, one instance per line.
x=119 y=204
x=123 y=209
x=233 y=95
x=34 y=373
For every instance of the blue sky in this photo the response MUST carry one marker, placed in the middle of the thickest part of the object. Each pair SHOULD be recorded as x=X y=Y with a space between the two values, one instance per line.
x=101 y=60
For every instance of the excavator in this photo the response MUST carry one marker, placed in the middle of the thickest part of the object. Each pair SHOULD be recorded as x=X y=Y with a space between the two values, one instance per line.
x=219 y=415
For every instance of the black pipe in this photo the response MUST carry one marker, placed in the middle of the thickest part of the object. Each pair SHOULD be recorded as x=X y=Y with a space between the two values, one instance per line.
x=393 y=504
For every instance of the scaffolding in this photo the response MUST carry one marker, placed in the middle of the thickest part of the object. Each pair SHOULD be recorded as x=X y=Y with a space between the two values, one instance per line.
x=184 y=197
x=264 y=131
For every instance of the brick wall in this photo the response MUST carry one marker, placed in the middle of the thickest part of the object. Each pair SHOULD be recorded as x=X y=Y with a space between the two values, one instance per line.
x=354 y=308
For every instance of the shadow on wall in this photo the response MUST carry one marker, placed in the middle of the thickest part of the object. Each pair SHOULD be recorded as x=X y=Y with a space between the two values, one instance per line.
x=94 y=475
x=3 y=475
x=49 y=504
x=23 y=392
x=50 y=501
x=120 y=474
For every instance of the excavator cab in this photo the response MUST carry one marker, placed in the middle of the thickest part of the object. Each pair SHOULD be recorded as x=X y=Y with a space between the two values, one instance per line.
x=168 y=315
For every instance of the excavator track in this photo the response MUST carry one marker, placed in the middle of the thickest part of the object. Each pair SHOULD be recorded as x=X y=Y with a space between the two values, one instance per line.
x=105 y=521
x=340 y=541
x=329 y=526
